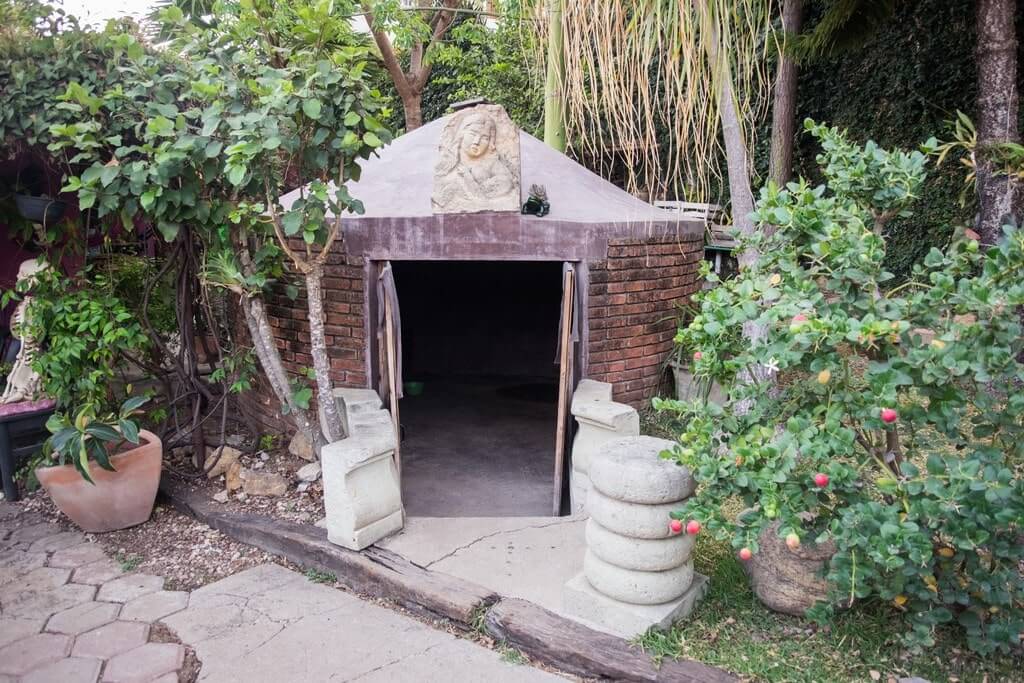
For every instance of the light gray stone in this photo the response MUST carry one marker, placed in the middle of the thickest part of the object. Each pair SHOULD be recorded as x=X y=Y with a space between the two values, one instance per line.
x=83 y=617
x=57 y=541
x=599 y=420
x=308 y=473
x=32 y=532
x=97 y=572
x=15 y=628
x=263 y=483
x=634 y=586
x=630 y=519
x=111 y=639
x=221 y=496
x=77 y=556
x=632 y=470
x=154 y=606
x=70 y=670
x=144 y=663
x=33 y=652
x=15 y=563
x=128 y=587
x=46 y=601
x=638 y=553
x=623 y=619
x=478 y=164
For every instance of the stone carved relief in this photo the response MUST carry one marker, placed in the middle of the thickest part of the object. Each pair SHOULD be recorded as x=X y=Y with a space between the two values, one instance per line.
x=478 y=163
x=23 y=383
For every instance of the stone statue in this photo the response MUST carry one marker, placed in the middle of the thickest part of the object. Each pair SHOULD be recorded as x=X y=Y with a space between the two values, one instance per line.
x=23 y=384
x=478 y=164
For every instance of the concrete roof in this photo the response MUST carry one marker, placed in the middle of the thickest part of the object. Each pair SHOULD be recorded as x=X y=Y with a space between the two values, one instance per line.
x=399 y=182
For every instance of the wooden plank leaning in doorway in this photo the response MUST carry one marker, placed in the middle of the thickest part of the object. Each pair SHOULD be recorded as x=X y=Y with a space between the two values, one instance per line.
x=564 y=382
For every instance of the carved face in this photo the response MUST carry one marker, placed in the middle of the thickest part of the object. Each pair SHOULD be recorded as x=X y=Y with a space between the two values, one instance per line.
x=477 y=137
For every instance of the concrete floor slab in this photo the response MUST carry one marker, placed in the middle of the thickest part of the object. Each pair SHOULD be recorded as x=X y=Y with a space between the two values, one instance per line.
x=522 y=557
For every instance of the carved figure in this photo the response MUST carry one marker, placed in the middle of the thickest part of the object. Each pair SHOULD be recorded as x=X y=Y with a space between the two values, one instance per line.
x=23 y=383
x=478 y=166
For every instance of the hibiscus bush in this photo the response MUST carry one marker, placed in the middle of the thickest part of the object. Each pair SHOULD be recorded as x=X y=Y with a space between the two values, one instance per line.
x=884 y=417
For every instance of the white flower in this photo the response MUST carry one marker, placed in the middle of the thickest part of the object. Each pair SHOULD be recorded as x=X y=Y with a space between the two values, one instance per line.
x=772 y=366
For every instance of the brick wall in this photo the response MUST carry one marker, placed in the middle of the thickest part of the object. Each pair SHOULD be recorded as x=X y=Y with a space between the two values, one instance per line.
x=345 y=335
x=634 y=296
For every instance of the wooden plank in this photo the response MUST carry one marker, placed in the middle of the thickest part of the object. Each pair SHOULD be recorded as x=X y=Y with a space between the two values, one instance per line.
x=565 y=363
x=375 y=572
x=577 y=649
x=389 y=324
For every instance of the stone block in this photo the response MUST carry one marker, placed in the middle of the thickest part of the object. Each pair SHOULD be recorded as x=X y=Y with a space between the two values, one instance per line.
x=97 y=572
x=43 y=602
x=33 y=652
x=83 y=617
x=633 y=470
x=16 y=628
x=129 y=587
x=228 y=456
x=15 y=563
x=70 y=670
x=630 y=519
x=57 y=541
x=145 y=663
x=362 y=495
x=646 y=554
x=352 y=402
x=154 y=606
x=626 y=620
x=268 y=484
x=77 y=556
x=111 y=639
x=637 y=586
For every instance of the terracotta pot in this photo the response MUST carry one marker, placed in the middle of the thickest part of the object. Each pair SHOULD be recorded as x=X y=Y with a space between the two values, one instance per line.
x=118 y=499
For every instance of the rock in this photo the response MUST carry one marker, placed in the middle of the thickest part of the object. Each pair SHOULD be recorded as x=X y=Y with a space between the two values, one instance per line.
x=300 y=447
x=302 y=487
x=228 y=455
x=322 y=523
x=258 y=465
x=263 y=483
x=236 y=440
x=308 y=473
x=264 y=456
x=785 y=580
x=221 y=496
x=304 y=517
x=241 y=497
x=233 y=477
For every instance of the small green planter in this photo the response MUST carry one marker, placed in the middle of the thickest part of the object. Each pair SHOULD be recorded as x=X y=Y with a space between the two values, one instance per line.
x=413 y=388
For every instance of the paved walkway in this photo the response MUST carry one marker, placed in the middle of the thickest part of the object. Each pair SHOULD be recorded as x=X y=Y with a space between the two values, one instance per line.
x=69 y=613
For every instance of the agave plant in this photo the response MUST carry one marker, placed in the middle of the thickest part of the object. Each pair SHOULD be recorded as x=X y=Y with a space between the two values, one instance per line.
x=92 y=436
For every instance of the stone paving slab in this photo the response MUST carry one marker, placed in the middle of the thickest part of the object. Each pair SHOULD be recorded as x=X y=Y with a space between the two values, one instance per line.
x=271 y=624
x=68 y=614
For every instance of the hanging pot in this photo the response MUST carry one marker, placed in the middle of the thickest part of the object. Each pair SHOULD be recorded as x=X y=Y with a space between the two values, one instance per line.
x=44 y=210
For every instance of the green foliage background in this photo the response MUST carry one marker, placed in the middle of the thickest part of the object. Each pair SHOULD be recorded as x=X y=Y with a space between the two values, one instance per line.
x=900 y=88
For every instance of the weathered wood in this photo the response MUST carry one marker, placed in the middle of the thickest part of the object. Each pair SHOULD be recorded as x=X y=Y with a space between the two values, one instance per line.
x=577 y=649
x=565 y=363
x=374 y=571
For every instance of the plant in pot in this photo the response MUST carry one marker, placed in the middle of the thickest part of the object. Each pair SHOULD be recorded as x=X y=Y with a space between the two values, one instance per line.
x=687 y=385
x=871 y=443
x=107 y=470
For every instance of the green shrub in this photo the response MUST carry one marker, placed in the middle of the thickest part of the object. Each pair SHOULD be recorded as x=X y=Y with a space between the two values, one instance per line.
x=924 y=503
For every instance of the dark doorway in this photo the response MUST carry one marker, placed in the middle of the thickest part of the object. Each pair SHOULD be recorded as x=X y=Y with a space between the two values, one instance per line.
x=481 y=337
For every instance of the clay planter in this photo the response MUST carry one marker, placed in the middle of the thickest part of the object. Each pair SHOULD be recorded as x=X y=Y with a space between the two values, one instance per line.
x=118 y=499
x=784 y=580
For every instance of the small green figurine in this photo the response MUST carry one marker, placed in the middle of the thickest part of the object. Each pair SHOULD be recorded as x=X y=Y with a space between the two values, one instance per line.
x=537 y=204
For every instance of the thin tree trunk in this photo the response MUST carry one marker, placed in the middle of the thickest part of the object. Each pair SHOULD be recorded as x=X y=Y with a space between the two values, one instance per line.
x=554 y=116
x=997 y=117
x=784 y=104
x=413 y=105
x=332 y=426
x=266 y=350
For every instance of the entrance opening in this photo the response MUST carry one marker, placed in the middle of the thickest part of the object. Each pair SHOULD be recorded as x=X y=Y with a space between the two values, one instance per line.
x=481 y=337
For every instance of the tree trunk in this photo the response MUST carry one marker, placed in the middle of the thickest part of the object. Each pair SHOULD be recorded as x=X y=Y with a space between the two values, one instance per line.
x=413 y=105
x=997 y=117
x=784 y=104
x=554 y=116
x=332 y=426
x=266 y=350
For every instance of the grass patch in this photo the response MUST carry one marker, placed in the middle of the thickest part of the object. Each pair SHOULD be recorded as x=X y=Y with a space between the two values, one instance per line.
x=128 y=563
x=511 y=655
x=732 y=630
x=317 y=576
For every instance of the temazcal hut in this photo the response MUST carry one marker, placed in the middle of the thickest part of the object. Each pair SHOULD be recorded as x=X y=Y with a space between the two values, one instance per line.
x=486 y=318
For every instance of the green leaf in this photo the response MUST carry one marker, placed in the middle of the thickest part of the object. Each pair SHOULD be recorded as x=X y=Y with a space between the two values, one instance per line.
x=236 y=174
x=213 y=148
x=311 y=108
x=130 y=430
x=371 y=139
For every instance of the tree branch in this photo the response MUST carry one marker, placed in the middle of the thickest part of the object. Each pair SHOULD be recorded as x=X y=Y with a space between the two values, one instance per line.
x=387 y=55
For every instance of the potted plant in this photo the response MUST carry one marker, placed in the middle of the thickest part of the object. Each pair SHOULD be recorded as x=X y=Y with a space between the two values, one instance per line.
x=108 y=469
x=681 y=360
x=873 y=432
